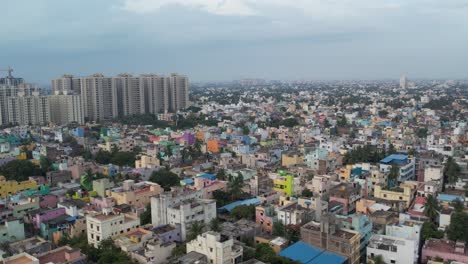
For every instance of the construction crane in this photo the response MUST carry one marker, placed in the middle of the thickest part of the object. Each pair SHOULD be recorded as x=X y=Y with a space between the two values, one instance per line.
x=9 y=70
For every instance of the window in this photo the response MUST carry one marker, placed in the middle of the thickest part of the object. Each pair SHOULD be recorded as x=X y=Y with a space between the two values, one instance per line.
x=392 y=261
x=211 y=249
x=98 y=238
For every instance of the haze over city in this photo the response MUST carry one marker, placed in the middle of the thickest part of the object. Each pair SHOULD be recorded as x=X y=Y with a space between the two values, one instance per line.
x=233 y=39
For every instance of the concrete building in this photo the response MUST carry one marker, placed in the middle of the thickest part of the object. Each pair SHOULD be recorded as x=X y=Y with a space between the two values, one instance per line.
x=178 y=92
x=10 y=89
x=26 y=109
x=405 y=164
x=327 y=235
x=11 y=231
x=67 y=83
x=102 y=226
x=98 y=102
x=8 y=188
x=135 y=194
x=161 y=202
x=392 y=249
x=66 y=108
x=188 y=212
x=127 y=95
x=218 y=249
x=445 y=249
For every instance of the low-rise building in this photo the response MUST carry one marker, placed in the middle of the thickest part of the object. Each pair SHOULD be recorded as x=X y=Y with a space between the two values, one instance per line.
x=217 y=248
x=392 y=249
x=135 y=194
x=445 y=249
x=102 y=226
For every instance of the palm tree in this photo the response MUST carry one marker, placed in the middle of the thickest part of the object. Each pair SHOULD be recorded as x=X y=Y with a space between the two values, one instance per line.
x=431 y=208
x=195 y=229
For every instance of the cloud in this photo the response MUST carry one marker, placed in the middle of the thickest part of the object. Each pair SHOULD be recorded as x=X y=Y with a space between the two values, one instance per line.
x=217 y=7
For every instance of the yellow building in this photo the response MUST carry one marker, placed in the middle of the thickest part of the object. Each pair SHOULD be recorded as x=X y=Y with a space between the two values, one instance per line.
x=14 y=187
x=403 y=193
x=290 y=159
x=285 y=184
x=345 y=172
x=135 y=194
x=146 y=162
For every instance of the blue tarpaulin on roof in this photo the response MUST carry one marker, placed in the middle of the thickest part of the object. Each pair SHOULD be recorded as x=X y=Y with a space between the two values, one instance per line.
x=308 y=254
x=231 y=206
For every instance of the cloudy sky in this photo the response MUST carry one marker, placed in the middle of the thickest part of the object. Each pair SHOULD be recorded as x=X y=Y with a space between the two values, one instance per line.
x=232 y=39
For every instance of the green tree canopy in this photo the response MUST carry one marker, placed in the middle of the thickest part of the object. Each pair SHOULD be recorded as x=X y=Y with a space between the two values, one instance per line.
x=20 y=170
x=165 y=178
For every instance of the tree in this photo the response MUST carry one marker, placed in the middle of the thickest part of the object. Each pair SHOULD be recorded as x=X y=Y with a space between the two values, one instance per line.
x=458 y=228
x=123 y=158
x=221 y=175
x=103 y=157
x=222 y=198
x=165 y=178
x=244 y=212
x=179 y=250
x=429 y=230
x=307 y=193
x=278 y=229
x=383 y=113
x=451 y=170
x=86 y=181
x=235 y=185
x=20 y=170
x=431 y=208
x=195 y=229
x=458 y=205
x=215 y=225
x=45 y=163
x=393 y=175
x=145 y=217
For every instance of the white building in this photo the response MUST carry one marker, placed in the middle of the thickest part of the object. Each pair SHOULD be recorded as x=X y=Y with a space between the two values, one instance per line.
x=161 y=202
x=392 y=249
x=219 y=250
x=188 y=212
x=28 y=110
x=407 y=230
x=434 y=173
x=102 y=226
x=66 y=108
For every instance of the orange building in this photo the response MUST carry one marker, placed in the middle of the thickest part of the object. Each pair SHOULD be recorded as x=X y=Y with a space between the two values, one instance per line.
x=213 y=145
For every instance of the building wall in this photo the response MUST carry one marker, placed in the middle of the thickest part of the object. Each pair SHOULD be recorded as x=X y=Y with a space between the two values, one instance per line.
x=13 y=187
x=218 y=252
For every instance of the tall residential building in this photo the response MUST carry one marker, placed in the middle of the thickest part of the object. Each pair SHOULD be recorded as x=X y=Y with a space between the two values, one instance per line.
x=66 y=108
x=96 y=92
x=403 y=82
x=109 y=97
x=67 y=83
x=156 y=93
x=178 y=92
x=127 y=95
x=28 y=110
x=7 y=89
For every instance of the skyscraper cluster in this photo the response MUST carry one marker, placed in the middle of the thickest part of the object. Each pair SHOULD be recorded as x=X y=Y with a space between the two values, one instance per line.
x=92 y=98
x=122 y=95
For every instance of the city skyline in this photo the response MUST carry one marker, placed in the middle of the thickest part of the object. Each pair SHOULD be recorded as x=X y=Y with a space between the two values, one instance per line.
x=229 y=40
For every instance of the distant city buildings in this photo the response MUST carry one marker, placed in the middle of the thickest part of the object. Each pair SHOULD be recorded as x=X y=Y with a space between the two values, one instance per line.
x=105 y=98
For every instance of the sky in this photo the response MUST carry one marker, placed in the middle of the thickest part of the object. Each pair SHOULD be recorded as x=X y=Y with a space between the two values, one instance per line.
x=214 y=40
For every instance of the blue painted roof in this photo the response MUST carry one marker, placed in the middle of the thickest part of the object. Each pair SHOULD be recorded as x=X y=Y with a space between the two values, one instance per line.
x=449 y=197
x=328 y=257
x=398 y=158
x=208 y=176
x=231 y=206
x=308 y=254
x=188 y=181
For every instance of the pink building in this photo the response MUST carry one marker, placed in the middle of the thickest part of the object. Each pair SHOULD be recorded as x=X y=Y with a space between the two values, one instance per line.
x=102 y=202
x=208 y=186
x=445 y=249
x=264 y=216
x=48 y=201
x=63 y=254
x=46 y=215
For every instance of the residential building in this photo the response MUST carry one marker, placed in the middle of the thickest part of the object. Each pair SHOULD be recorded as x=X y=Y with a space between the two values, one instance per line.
x=187 y=212
x=31 y=109
x=405 y=193
x=444 y=249
x=405 y=164
x=8 y=188
x=178 y=92
x=66 y=108
x=328 y=236
x=392 y=249
x=105 y=225
x=11 y=231
x=218 y=249
x=135 y=194
x=96 y=95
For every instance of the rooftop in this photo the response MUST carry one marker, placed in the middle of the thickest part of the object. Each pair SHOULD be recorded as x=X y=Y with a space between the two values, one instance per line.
x=308 y=254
